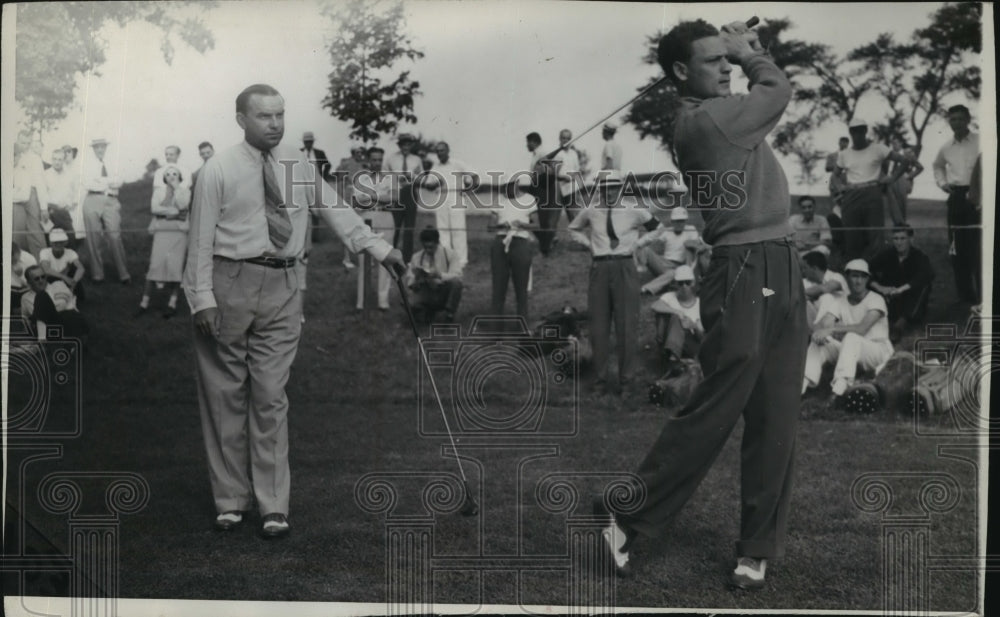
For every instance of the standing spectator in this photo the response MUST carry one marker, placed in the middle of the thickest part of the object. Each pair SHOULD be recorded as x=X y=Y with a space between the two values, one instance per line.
x=64 y=194
x=206 y=151
x=435 y=278
x=62 y=264
x=545 y=188
x=852 y=332
x=511 y=254
x=899 y=191
x=20 y=261
x=752 y=302
x=836 y=187
x=241 y=285
x=72 y=169
x=610 y=228
x=406 y=166
x=953 y=172
x=346 y=176
x=811 y=229
x=611 y=155
x=102 y=213
x=902 y=273
x=172 y=154
x=451 y=178
x=567 y=169
x=820 y=282
x=30 y=196
x=318 y=158
x=861 y=168
x=380 y=220
x=170 y=207
x=675 y=240
x=679 y=331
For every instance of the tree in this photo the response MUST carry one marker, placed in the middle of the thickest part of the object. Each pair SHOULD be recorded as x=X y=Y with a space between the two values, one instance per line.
x=368 y=40
x=59 y=41
x=940 y=53
x=888 y=65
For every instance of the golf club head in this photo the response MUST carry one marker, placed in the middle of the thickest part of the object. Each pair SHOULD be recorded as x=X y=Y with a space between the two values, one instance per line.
x=470 y=507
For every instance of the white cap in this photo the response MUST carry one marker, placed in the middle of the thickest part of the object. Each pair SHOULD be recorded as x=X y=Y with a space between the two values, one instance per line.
x=684 y=273
x=58 y=235
x=679 y=214
x=820 y=248
x=857 y=122
x=857 y=265
x=610 y=126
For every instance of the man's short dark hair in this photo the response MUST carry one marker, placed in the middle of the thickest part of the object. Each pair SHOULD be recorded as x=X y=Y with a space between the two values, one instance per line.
x=430 y=234
x=843 y=139
x=806 y=198
x=533 y=136
x=903 y=227
x=375 y=149
x=815 y=259
x=205 y=144
x=962 y=109
x=676 y=45
x=244 y=97
x=178 y=148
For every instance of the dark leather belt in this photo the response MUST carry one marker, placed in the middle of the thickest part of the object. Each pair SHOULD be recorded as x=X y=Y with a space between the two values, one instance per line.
x=611 y=257
x=105 y=193
x=272 y=262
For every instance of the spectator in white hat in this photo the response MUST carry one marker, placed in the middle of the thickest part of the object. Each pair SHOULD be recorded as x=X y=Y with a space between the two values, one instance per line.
x=679 y=331
x=61 y=263
x=611 y=155
x=862 y=171
x=853 y=332
x=674 y=254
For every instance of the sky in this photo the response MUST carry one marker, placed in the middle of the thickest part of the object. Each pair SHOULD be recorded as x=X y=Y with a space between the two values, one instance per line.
x=492 y=72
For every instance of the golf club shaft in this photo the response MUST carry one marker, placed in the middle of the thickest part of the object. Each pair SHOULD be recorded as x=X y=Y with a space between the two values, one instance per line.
x=753 y=21
x=430 y=373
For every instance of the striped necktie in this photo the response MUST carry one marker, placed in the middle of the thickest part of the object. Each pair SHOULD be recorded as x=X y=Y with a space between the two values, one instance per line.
x=279 y=225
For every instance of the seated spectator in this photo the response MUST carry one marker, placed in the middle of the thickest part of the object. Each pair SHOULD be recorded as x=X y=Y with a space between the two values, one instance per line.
x=820 y=281
x=673 y=255
x=698 y=255
x=435 y=279
x=51 y=304
x=902 y=273
x=19 y=262
x=61 y=263
x=170 y=205
x=853 y=332
x=811 y=229
x=678 y=321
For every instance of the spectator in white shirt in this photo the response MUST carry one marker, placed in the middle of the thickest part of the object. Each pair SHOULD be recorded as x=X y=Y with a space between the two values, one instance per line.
x=102 y=212
x=811 y=229
x=511 y=252
x=679 y=331
x=435 y=279
x=953 y=172
x=61 y=263
x=450 y=178
x=64 y=194
x=567 y=165
x=674 y=239
x=852 y=332
x=820 y=282
x=29 y=196
x=611 y=155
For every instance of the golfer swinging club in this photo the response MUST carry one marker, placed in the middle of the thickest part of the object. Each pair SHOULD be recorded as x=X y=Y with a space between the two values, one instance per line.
x=752 y=301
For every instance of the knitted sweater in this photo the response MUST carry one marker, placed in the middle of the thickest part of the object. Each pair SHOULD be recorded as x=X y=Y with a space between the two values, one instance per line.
x=733 y=176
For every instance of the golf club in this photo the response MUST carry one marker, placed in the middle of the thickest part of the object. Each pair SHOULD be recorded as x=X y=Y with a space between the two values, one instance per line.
x=469 y=507
x=753 y=21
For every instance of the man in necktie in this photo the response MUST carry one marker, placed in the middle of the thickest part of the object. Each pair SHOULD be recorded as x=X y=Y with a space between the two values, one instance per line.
x=102 y=213
x=404 y=211
x=610 y=227
x=248 y=228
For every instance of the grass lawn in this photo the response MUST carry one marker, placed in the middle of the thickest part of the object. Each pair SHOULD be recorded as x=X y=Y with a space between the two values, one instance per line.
x=355 y=410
